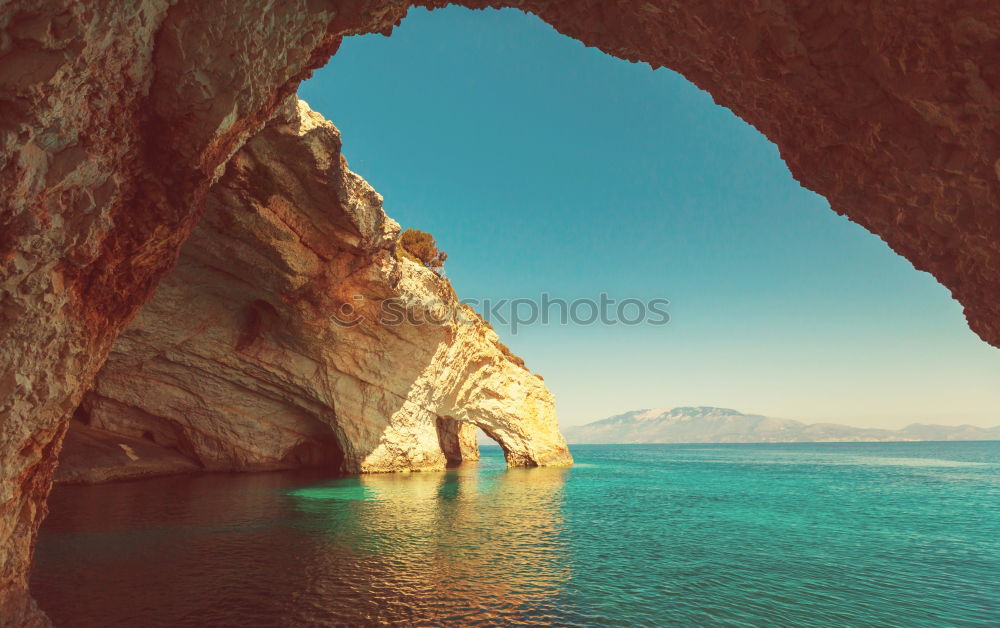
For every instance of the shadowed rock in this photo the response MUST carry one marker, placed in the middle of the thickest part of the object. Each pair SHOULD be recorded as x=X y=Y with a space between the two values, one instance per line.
x=238 y=363
x=117 y=117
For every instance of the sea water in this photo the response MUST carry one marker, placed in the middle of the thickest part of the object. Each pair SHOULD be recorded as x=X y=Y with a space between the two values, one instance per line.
x=838 y=534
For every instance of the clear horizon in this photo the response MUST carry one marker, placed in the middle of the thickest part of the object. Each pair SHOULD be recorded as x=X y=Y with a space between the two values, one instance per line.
x=544 y=166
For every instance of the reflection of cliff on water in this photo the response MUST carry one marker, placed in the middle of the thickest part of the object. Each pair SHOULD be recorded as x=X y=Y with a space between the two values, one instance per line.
x=469 y=544
x=302 y=549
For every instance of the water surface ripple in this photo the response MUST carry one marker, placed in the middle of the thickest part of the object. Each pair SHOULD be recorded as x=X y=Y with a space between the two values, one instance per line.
x=879 y=534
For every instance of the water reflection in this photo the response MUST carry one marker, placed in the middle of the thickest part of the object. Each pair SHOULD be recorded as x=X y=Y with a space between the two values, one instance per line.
x=462 y=545
x=472 y=545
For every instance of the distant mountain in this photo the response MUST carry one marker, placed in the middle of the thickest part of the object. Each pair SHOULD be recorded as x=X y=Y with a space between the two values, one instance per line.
x=722 y=425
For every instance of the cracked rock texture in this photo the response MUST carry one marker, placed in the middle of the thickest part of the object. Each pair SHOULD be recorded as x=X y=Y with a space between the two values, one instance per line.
x=117 y=116
x=891 y=110
x=237 y=363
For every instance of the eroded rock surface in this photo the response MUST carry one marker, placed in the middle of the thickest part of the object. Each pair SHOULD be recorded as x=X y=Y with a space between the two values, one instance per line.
x=116 y=117
x=891 y=110
x=237 y=362
x=91 y=455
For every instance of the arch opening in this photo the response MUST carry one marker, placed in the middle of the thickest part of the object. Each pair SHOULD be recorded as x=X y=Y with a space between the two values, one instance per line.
x=788 y=245
x=914 y=164
x=458 y=441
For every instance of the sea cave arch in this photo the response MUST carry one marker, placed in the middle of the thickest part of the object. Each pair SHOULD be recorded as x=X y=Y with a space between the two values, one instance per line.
x=118 y=120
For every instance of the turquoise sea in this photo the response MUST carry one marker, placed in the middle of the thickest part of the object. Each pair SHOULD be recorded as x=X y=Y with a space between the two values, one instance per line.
x=838 y=534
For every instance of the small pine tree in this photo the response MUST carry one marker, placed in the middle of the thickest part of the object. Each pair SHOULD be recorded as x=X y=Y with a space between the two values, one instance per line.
x=420 y=247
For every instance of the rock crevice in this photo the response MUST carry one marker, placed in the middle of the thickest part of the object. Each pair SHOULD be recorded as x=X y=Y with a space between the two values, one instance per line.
x=116 y=119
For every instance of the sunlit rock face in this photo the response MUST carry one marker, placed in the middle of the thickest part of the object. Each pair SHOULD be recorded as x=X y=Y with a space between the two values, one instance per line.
x=117 y=117
x=238 y=363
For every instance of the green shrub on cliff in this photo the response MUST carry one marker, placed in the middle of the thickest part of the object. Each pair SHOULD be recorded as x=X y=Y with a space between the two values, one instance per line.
x=516 y=359
x=420 y=247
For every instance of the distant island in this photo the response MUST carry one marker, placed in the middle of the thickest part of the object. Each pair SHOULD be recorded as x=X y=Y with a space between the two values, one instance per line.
x=722 y=425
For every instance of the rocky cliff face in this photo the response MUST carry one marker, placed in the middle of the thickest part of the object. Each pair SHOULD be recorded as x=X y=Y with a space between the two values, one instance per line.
x=890 y=110
x=117 y=117
x=290 y=333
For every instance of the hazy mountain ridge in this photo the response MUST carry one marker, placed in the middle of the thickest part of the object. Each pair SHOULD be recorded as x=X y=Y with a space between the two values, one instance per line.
x=704 y=424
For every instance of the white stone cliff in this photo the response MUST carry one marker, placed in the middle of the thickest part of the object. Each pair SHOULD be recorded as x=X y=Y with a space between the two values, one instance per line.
x=237 y=362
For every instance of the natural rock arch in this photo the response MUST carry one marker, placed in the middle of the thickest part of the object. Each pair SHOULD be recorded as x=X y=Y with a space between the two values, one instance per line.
x=117 y=118
x=245 y=358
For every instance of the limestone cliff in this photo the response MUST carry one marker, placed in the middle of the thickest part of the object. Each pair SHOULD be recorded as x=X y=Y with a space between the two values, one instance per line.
x=238 y=361
x=891 y=110
x=117 y=117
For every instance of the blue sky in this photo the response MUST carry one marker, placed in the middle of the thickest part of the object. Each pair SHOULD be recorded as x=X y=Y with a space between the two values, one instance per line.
x=541 y=165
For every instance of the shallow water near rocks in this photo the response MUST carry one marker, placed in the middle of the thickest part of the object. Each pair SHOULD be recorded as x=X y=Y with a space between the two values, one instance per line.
x=893 y=534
